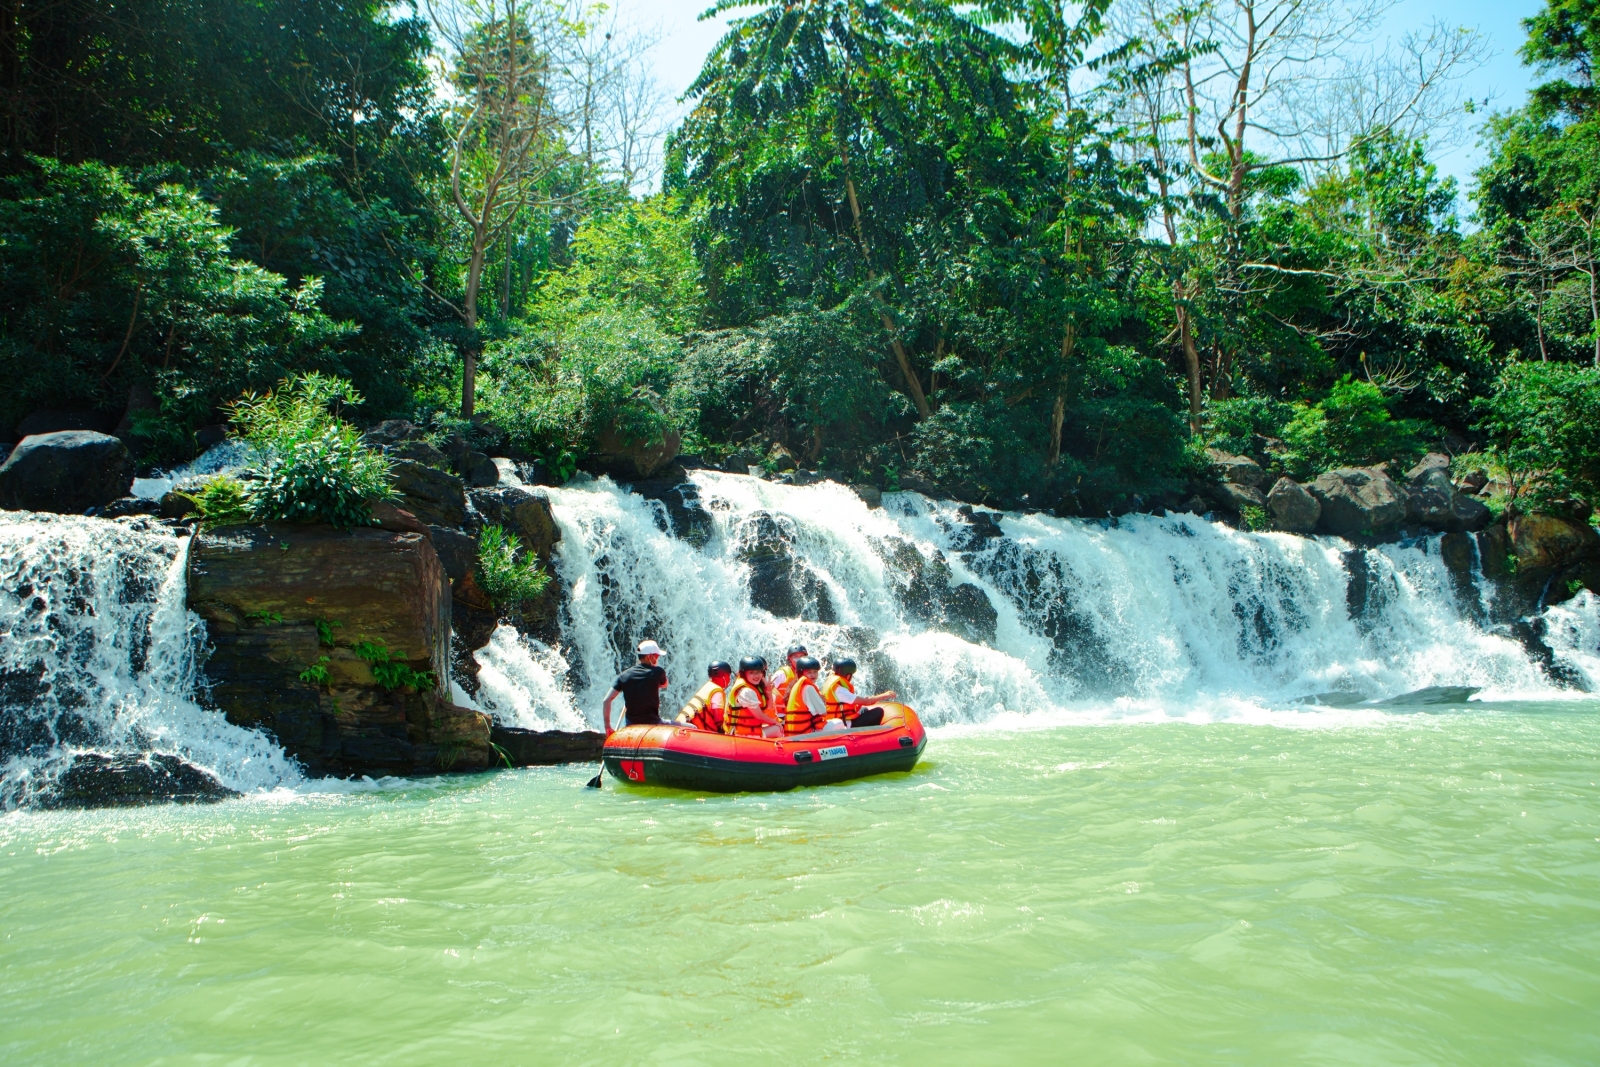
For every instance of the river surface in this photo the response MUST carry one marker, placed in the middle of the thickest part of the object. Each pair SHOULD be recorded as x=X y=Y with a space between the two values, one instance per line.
x=1395 y=889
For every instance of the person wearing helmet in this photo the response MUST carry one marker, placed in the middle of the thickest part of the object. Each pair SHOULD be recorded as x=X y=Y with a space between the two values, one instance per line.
x=640 y=686
x=705 y=708
x=783 y=681
x=805 y=710
x=843 y=705
x=746 y=713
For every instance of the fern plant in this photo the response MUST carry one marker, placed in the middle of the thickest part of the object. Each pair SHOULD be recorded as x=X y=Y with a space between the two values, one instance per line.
x=391 y=673
x=504 y=573
x=221 y=501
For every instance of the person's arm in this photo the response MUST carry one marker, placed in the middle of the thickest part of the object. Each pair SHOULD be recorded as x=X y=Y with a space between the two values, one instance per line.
x=760 y=708
x=887 y=694
x=605 y=709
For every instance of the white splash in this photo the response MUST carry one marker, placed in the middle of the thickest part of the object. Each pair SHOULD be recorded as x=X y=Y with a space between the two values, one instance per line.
x=98 y=651
x=1148 y=618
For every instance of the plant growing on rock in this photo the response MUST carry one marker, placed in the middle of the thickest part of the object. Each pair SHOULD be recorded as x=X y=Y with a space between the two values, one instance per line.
x=391 y=673
x=315 y=466
x=505 y=577
x=221 y=501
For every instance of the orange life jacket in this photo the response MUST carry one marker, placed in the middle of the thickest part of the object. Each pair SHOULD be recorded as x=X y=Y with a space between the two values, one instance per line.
x=780 y=684
x=797 y=718
x=837 y=709
x=701 y=711
x=737 y=719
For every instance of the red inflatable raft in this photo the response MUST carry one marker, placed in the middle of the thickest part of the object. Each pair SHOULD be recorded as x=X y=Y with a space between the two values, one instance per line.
x=683 y=757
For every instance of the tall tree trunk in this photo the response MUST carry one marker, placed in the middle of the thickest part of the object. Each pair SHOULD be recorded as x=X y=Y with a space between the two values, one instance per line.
x=469 y=356
x=1191 y=359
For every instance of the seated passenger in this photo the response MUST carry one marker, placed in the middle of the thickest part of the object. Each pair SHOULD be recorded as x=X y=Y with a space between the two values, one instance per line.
x=704 y=710
x=805 y=710
x=779 y=688
x=838 y=693
x=746 y=713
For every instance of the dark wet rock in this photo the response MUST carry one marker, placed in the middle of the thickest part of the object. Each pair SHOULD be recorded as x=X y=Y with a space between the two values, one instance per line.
x=1434 y=502
x=1239 y=470
x=433 y=496
x=419 y=452
x=629 y=460
x=870 y=495
x=262 y=589
x=973 y=529
x=1233 y=497
x=542 y=748
x=392 y=432
x=210 y=436
x=1456 y=550
x=130 y=505
x=1430 y=697
x=98 y=780
x=926 y=590
x=458 y=551
x=682 y=514
x=740 y=462
x=1358 y=502
x=1194 y=505
x=387 y=515
x=478 y=470
x=1532 y=634
x=1369 y=587
x=524 y=512
x=1293 y=508
x=60 y=420
x=780 y=582
x=1543 y=544
x=1475 y=482
x=67 y=472
x=912 y=482
x=1433 y=461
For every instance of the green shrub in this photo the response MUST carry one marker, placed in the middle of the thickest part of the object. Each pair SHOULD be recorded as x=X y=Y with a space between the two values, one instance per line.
x=1351 y=428
x=315 y=466
x=221 y=501
x=1233 y=425
x=507 y=579
x=1543 y=421
x=390 y=673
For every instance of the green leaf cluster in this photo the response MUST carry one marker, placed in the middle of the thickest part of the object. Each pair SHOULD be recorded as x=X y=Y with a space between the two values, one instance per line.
x=1352 y=427
x=504 y=572
x=1543 y=422
x=392 y=673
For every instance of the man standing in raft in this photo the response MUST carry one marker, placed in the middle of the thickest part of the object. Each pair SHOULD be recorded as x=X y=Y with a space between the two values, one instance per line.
x=706 y=707
x=838 y=693
x=747 y=714
x=640 y=686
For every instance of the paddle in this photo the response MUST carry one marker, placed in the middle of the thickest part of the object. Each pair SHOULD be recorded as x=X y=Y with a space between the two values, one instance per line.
x=594 y=783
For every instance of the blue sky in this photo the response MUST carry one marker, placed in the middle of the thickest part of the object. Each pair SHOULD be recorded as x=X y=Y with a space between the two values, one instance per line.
x=1502 y=78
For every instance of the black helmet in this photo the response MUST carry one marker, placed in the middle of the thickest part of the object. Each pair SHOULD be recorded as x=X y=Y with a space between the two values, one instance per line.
x=845 y=666
x=806 y=663
x=717 y=668
x=752 y=663
x=797 y=650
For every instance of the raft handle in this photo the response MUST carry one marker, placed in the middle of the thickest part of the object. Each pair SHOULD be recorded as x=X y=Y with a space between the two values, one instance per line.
x=803 y=756
x=906 y=742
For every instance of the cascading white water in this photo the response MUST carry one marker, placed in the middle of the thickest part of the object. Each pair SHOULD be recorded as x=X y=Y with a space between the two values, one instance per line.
x=1147 y=617
x=99 y=652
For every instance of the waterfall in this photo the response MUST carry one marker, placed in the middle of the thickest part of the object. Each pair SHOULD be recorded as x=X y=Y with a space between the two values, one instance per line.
x=1140 y=618
x=98 y=652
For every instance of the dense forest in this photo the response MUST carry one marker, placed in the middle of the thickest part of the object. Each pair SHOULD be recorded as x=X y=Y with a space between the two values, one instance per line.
x=1032 y=254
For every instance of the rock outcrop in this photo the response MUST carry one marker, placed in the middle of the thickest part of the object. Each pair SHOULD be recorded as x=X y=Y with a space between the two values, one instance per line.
x=432 y=495
x=925 y=587
x=1358 y=502
x=1237 y=470
x=67 y=472
x=1294 y=509
x=542 y=748
x=98 y=780
x=628 y=460
x=780 y=582
x=336 y=642
x=1433 y=501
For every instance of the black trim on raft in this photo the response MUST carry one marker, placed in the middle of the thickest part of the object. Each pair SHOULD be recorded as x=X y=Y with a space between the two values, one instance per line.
x=708 y=774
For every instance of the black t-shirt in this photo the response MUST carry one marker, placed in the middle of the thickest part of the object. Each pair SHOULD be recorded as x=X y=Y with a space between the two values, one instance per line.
x=640 y=686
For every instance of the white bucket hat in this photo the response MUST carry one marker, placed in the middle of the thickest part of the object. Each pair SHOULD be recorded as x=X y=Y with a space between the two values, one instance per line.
x=650 y=648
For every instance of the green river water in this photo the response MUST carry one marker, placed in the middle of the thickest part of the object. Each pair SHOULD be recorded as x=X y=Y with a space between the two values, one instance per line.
x=1423 y=891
